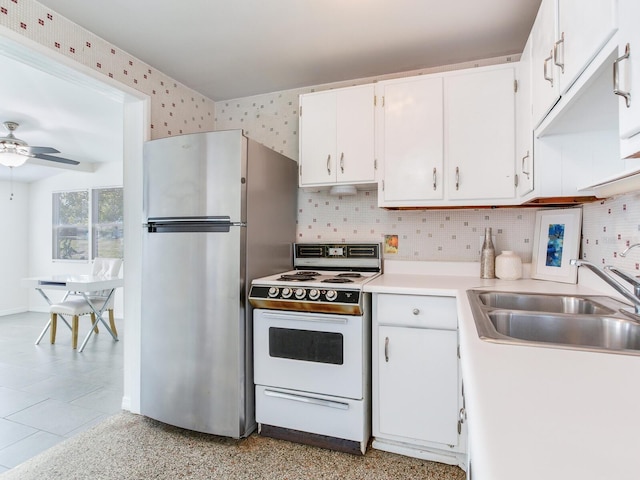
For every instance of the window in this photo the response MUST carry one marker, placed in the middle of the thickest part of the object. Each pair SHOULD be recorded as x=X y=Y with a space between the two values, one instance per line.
x=75 y=211
x=107 y=221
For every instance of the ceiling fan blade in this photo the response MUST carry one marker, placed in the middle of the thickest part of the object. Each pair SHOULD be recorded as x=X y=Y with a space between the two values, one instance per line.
x=36 y=150
x=51 y=158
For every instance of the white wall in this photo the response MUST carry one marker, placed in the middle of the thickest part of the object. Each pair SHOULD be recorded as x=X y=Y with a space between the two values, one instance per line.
x=40 y=227
x=13 y=246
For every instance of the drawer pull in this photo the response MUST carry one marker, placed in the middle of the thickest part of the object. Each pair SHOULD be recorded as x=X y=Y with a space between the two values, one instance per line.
x=416 y=311
x=304 y=399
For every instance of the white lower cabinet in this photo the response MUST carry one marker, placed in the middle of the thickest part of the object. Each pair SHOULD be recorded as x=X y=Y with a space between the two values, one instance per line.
x=417 y=386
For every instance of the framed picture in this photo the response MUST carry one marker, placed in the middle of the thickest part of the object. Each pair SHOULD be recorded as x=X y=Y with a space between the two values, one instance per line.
x=556 y=241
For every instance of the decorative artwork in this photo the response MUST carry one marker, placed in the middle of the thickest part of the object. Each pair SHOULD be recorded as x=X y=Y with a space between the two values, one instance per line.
x=391 y=244
x=554 y=245
x=556 y=242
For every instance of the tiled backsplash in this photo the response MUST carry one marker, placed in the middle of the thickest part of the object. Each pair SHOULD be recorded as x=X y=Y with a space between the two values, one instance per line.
x=610 y=226
x=422 y=234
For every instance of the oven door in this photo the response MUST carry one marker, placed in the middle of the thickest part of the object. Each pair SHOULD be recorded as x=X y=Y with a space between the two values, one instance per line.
x=309 y=352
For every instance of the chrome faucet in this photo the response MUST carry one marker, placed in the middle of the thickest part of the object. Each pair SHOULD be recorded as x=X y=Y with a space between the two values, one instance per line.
x=626 y=250
x=634 y=298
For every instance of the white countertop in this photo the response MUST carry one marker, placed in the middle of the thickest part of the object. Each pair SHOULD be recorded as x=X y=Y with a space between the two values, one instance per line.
x=534 y=413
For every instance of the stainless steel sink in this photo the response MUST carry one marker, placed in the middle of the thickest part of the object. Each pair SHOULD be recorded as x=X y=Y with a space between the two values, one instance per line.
x=543 y=303
x=609 y=333
x=593 y=323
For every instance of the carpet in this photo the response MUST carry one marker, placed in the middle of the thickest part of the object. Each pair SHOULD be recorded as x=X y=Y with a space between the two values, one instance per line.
x=129 y=446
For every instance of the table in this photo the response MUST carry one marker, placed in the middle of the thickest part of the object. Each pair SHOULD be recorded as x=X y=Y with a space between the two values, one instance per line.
x=82 y=285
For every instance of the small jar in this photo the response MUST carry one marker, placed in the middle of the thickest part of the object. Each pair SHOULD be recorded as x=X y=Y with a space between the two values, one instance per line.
x=508 y=266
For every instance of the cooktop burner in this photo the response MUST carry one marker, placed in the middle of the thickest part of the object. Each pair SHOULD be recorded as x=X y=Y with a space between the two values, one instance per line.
x=350 y=275
x=338 y=279
x=297 y=277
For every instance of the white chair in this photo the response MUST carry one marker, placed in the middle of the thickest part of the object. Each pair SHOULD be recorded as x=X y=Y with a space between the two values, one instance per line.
x=75 y=305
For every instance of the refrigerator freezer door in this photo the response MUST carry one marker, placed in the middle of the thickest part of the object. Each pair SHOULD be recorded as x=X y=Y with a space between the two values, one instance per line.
x=196 y=175
x=193 y=331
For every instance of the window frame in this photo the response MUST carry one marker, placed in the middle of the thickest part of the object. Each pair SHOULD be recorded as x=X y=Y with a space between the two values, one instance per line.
x=92 y=226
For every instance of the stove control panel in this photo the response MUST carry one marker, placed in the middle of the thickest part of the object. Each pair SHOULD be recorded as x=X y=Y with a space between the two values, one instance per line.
x=305 y=295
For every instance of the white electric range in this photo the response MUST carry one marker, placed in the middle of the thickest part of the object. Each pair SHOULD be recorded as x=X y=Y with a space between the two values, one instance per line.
x=312 y=337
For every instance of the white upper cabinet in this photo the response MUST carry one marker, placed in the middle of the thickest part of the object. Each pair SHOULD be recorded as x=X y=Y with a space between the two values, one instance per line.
x=524 y=127
x=627 y=75
x=447 y=139
x=584 y=28
x=545 y=81
x=337 y=137
x=412 y=140
x=566 y=36
x=480 y=134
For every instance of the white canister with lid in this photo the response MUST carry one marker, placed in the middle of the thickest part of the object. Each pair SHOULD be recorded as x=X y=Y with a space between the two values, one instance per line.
x=508 y=266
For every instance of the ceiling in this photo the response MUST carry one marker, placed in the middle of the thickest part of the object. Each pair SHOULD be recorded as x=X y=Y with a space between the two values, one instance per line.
x=230 y=49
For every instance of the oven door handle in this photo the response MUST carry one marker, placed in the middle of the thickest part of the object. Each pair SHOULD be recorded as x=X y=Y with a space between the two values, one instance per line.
x=302 y=318
x=303 y=399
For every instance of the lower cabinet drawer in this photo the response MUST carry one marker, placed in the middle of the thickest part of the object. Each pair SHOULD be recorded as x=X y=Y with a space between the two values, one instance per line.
x=418 y=311
x=309 y=412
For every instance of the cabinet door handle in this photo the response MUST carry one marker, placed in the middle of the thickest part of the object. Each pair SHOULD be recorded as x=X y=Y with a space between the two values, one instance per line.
x=342 y=162
x=546 y=62
x=386 y=349
x=457 y=178
x=616 y=76
x=416 y=311
x=523 y=159
x=435 y=178
x=329 y=165
x=462 y=416
x=555 y=53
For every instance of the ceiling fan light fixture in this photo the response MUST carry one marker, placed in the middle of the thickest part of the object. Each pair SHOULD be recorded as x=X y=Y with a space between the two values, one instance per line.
x=10 y=158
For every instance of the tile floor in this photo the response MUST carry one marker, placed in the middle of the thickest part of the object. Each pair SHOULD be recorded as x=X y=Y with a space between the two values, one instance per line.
x=51 y=392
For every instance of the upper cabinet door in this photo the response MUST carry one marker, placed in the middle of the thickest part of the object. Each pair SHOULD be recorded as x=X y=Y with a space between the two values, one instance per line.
x=584 y=28
x=628 y=70
x=318 y=138
x=337 y=137
x=412 y=140
x=545 y=81
x=355 y=158
x=524 y=127
x=480 y=134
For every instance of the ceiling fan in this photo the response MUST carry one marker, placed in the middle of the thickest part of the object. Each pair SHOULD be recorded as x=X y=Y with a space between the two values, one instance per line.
x=14 y=152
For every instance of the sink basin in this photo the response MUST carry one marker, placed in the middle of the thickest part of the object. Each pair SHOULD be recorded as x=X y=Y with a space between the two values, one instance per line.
x=608 y=333
x=593 y=323
x=543 y=303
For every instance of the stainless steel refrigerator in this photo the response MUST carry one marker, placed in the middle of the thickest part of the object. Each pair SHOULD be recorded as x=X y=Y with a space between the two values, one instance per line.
x=220 y=210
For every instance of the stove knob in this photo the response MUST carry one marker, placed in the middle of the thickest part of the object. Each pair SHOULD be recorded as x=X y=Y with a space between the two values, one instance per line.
x=300 y=293
x=286 y=292
x=273 y=292
x=314 y=294
x=331 y=295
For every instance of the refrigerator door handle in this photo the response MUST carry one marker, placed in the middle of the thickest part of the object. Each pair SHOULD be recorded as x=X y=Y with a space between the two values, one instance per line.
x=191 y=224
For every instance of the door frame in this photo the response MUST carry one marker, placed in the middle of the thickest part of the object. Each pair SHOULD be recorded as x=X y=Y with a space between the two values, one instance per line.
x=137 y=130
